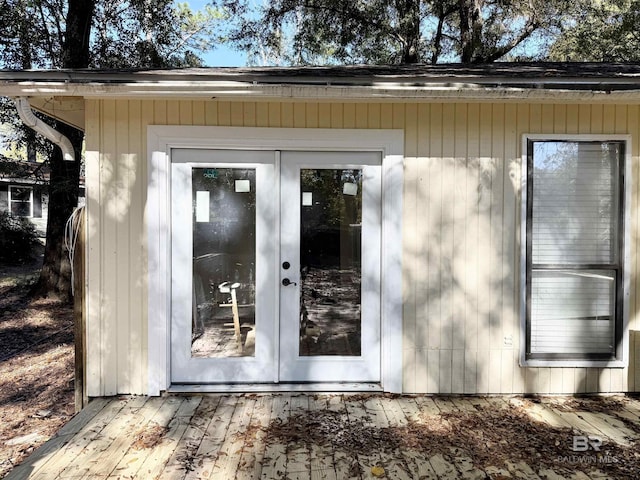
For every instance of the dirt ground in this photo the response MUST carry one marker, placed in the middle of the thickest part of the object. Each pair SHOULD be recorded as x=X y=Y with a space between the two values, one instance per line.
x=36 y=366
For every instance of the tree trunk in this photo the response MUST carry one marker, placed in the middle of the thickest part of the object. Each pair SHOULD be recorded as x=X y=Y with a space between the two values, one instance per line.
x=409 y=26
x=75 y=50
x=64 y=183
x=470 y=29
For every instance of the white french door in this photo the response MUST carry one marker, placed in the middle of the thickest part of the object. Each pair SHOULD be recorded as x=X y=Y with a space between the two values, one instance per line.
x=330 y=217
x=223 y=289
x=275 y=266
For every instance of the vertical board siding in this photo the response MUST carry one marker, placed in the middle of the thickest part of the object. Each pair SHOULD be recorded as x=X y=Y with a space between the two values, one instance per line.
x=461 y=225
x=109 y=233
x=122 y=253
x=94 y=293
x=462 y=271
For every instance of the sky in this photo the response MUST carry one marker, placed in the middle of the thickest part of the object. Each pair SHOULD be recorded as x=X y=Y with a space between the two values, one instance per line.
x=222 y=56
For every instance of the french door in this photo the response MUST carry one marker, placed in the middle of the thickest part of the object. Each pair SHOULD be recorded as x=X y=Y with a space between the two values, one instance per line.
x=275 y=266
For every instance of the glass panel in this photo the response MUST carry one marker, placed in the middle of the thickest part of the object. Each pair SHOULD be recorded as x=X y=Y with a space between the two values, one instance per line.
x=575 y=202
x=20 y=209
x=330 y=266
x=224 y=258
x=21 y=201
x=572 y=312
x=22 y=194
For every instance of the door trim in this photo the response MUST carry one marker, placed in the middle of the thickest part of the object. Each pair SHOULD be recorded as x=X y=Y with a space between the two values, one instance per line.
x=162 y=139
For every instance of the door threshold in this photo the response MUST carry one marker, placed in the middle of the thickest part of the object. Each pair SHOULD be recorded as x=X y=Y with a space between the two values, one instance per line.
x=275 y=387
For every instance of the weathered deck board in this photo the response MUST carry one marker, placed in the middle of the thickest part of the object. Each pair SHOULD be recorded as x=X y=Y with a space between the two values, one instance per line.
x=209 y=451
x=321 y=456
x=47 y=456
x=298 y=458
x=346 y=465
x=183 y=458
x=135 y=457
x=120 y=443
x=394 y=463
x=611 y=427
x=251 y=459
x=357 y=412
x=78 y=447
x=233 y=437
x=230 y=451
x=546 y=415
x=275 y=455
x=632 y=406
x=154 y=465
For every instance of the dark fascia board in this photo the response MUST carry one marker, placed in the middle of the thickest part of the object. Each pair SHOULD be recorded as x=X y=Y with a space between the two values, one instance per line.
x=567 y=82
x=605 y=76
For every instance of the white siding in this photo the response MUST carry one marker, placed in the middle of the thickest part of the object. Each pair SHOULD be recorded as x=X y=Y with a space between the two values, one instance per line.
x=461 y=234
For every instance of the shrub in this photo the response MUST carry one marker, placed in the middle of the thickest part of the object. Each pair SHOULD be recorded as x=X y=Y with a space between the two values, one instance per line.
x=18 y=239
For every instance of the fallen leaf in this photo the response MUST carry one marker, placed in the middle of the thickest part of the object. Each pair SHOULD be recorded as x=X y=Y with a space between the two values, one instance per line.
x=377 y=471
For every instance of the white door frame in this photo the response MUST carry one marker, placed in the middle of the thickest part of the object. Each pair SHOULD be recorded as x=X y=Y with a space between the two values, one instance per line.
x=162 y=139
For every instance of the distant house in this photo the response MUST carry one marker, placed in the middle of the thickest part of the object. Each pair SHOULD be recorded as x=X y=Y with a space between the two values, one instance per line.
x=437 y=229
x=23 y=191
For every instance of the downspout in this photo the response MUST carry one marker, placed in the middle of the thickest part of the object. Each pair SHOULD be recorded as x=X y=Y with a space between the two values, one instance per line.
x=30 y=120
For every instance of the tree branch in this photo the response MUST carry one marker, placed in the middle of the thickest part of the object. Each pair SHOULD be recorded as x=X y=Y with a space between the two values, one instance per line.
x=499 y=52
x=439 y=35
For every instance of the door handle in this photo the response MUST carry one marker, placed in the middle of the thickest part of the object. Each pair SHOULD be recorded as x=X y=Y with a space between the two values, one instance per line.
x=286 y=282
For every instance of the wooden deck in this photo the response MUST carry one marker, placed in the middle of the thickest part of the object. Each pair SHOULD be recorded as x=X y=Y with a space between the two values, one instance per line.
x=341 y=436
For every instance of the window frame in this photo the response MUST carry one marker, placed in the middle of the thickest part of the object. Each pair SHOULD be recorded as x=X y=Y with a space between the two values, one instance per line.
x=621 y=333
x=11 y=200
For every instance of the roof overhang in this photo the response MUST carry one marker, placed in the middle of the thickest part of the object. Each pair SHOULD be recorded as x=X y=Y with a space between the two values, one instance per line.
x=386 y=92
x=61 y=92
x=67 y=109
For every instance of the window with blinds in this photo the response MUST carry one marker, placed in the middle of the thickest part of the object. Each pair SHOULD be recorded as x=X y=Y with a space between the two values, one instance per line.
x=574 y=249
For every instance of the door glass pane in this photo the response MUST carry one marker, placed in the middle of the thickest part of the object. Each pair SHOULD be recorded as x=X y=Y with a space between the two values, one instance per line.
x=224 y=259
x=330 y=266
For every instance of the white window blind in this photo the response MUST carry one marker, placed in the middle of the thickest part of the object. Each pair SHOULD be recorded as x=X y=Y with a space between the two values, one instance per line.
x=572 y=312
x=573 y=247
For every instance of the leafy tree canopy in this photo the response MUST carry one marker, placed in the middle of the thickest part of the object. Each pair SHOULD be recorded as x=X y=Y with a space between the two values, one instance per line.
x=125 y=34
x=603 y=31
x=309 y=32
x=85 y=34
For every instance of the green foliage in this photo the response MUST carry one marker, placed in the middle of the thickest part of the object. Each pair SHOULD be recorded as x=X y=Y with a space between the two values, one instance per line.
x=125 y=33
x=26 y=40
x=304 y=32
x=16 y=139
x=150 y=34
x=134 y=34
x=604 y=31
x=18 y=239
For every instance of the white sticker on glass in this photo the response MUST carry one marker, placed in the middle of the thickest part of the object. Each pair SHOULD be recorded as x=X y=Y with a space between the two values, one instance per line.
x=350 y=189
x=307 y=199
x=243 y=186
x=202 y=207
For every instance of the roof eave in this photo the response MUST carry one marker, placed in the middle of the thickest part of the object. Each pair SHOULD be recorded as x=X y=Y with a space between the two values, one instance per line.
x=602 y=91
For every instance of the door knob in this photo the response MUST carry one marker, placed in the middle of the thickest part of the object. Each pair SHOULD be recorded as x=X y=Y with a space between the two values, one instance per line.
x=286 y=282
